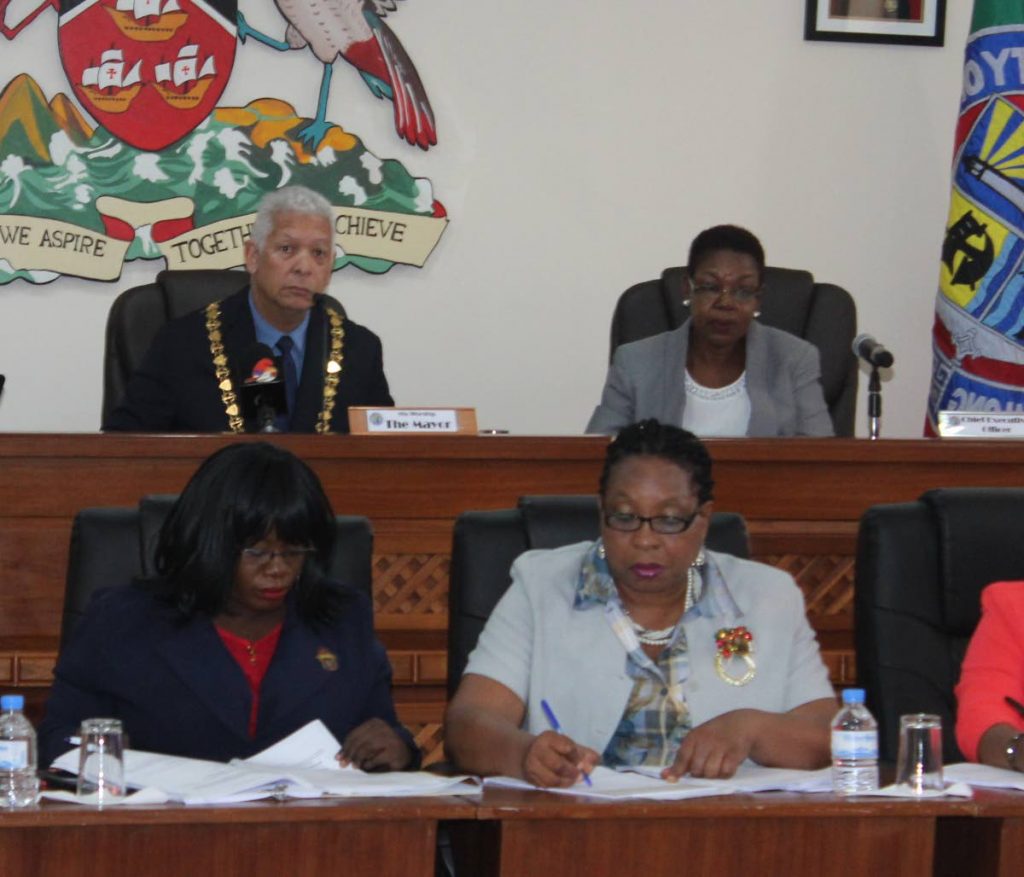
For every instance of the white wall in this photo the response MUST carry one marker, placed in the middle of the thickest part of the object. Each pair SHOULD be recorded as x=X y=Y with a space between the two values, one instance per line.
x=582 y=145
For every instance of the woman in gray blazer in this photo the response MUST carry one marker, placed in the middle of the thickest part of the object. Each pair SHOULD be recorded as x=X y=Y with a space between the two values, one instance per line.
x=651 y=650
x=721 y=373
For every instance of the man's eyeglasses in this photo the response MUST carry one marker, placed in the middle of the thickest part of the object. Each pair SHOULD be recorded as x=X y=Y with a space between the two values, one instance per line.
x=293 y=556
x=742 y=294
x=666 y=525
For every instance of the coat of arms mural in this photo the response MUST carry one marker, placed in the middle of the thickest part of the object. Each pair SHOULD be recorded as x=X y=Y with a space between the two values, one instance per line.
x=144 y=160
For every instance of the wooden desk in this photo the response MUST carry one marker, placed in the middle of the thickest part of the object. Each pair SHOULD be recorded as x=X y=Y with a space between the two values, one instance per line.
x=732 y=836
x=366 y=838
x=990 y=843
x=526 y=834
x=802 y=499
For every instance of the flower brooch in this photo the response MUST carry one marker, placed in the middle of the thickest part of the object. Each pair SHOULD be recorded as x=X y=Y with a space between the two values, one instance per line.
x=734 y=643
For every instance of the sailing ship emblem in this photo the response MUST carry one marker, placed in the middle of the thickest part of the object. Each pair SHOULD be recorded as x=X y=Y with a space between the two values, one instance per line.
x=967 y=262
x=149 y=71
x=148 y=20
x=180 y=83
x=108 y=85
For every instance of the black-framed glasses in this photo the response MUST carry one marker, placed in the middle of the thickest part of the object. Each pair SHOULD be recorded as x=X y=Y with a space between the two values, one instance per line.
x=742 y=294
x=292 y=555
x=666 y=525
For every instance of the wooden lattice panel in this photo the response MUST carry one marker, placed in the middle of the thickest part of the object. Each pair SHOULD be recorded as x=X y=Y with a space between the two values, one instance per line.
x=410 y=584
x=430 y=738
x=407 y=584
x=826 y=580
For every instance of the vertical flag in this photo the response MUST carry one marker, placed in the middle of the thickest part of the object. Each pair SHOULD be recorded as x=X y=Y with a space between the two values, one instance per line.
x=978 y=339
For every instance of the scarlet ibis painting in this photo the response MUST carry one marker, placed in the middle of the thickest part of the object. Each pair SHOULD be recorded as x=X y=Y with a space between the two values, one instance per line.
x=355 y=31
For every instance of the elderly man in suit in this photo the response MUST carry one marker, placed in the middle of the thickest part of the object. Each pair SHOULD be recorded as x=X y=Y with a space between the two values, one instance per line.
x=189 y=380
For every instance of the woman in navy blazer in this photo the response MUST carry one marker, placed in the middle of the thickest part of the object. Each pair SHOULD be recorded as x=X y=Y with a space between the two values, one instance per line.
x=241 y=639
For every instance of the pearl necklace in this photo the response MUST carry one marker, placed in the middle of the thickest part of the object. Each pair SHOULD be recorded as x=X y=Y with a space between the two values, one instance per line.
x=664 y=636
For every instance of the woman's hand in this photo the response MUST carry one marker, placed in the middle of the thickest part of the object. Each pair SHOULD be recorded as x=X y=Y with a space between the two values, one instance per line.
x=799 y=738
x=716 y=748
x=374 y=745
x=553 y=759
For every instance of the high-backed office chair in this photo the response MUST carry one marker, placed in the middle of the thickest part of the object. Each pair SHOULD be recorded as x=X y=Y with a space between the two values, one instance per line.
x=484 y=544
x=110 y=547
x=921 y=567
x=821 y=313
x=138 y=313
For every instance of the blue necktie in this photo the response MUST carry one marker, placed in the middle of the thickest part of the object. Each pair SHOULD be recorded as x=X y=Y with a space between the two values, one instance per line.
x=291 y=374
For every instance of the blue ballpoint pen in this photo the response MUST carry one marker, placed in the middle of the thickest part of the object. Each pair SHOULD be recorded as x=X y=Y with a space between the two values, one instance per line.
x=557 y=728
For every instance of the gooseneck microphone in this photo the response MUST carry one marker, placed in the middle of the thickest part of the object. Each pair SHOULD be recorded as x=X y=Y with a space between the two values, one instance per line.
x=875 y=355
x=867 y=348
x=261 y=388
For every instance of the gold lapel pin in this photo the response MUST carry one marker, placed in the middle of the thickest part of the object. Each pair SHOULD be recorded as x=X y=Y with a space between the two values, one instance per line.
x=328 y=660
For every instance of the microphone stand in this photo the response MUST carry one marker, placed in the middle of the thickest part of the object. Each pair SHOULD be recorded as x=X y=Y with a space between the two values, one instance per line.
x=874 y=403
x=265 y=417
x=266 y=421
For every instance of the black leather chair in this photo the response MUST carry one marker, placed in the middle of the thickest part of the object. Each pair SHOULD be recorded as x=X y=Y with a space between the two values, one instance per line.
x=821 y=313
x=137 y=314
x=921 y=567
x=484 y=545
x=111 y=547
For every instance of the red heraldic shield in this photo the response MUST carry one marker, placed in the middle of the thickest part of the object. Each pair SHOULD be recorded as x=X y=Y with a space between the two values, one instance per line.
x=149 y=71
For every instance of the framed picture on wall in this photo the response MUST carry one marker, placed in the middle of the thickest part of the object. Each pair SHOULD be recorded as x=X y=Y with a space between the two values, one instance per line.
x=913 y=22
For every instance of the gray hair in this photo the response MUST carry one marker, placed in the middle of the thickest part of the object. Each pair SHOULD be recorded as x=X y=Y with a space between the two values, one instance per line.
x=290 y=199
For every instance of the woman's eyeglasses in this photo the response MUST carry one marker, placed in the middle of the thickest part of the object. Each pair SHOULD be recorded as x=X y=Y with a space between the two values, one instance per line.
x=742 y=294
x=293 y=556
x=666 y=525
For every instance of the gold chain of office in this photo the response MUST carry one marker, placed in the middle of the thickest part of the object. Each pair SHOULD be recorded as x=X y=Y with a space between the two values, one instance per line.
x=332 y=369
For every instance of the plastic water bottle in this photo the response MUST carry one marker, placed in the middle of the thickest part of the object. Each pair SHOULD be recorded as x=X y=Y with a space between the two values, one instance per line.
x=19 y=783
x=854 y=746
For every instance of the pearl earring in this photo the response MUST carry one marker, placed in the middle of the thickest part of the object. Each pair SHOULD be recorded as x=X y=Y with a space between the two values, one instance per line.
x=686 y=302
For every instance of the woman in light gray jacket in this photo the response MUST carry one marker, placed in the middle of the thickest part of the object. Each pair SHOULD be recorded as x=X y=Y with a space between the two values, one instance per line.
x=651 y=650
x=721 y=373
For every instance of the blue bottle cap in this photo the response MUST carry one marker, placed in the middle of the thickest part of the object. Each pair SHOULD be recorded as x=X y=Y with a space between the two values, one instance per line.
x=853 y=695
x=12 y=702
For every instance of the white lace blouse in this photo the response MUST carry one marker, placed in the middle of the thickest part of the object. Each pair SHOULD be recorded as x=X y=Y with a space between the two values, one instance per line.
x=722 y=412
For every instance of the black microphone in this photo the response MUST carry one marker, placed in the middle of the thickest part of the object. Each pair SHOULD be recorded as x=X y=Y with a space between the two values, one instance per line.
x=261 y=388
x=871 y=351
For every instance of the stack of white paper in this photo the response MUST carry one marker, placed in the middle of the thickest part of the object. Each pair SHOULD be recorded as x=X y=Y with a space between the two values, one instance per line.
x=300 y=766
x=984 y=776
x=647 y=783
x=608 y=783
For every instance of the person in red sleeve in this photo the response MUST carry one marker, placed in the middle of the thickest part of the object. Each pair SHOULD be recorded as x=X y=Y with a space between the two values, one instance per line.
x=989 y=729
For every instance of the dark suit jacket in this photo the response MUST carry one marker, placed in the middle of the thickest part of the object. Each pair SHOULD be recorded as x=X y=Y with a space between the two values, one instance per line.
x=175 y=388
x=179 y=691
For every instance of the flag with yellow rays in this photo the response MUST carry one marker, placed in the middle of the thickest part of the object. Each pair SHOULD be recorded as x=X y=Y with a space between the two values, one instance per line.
x=978 y=339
